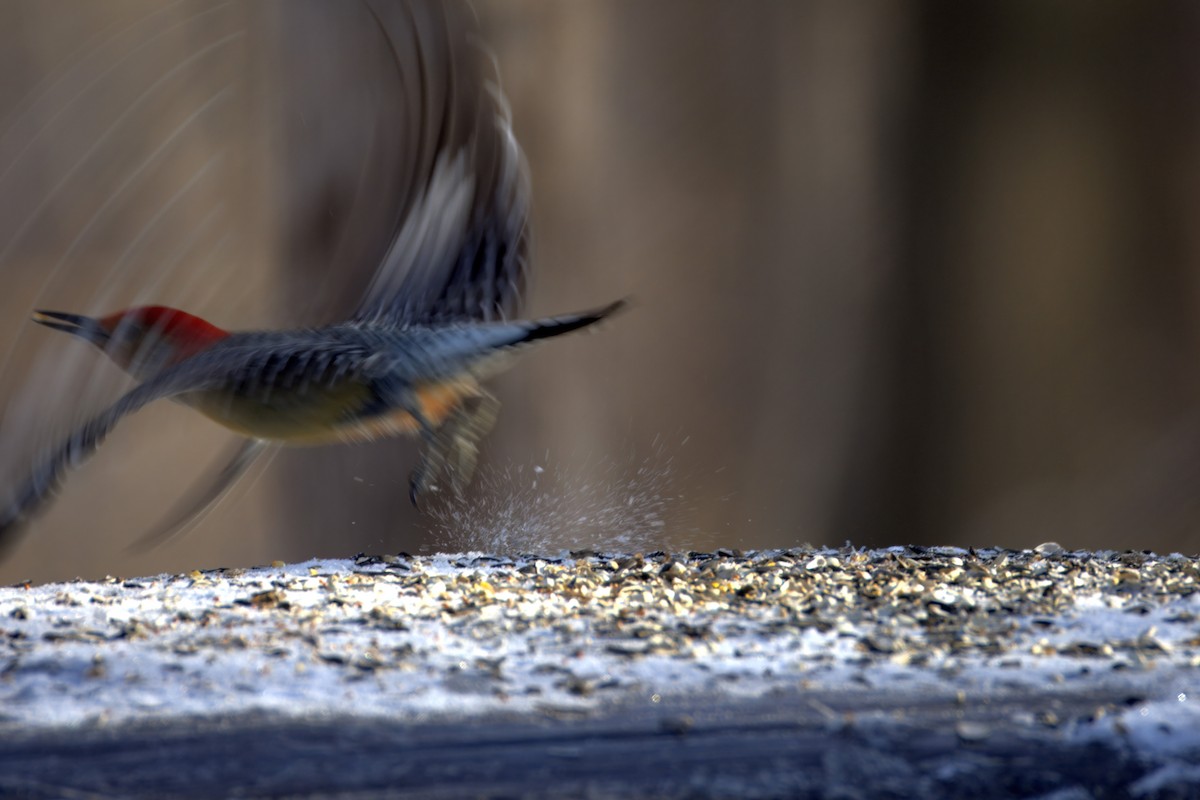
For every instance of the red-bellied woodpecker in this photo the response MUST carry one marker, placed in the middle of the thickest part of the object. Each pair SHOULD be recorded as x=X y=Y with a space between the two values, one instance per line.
x=412 y=357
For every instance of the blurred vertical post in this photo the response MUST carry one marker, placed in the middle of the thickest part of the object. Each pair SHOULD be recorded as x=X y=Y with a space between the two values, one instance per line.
x=1038 y=378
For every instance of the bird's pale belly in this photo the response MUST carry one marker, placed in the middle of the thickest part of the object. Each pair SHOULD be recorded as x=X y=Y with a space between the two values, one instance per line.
x=326 y=415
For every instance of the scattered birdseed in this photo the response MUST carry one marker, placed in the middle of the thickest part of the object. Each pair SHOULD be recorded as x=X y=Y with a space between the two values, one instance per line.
x=467 y=634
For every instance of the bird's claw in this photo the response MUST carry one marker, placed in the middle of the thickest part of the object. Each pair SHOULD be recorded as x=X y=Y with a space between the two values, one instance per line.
x=419 y=485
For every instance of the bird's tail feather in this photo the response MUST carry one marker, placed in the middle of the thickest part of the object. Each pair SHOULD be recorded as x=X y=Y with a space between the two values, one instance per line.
x=548 y=327
x=491 y=348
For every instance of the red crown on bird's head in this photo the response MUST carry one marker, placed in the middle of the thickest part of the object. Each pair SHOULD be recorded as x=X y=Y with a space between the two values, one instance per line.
x=185 y=330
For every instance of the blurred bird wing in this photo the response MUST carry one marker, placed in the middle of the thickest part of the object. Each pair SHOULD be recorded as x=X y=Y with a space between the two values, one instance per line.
x=49 y=471
x=459 y=249
x=188 y=513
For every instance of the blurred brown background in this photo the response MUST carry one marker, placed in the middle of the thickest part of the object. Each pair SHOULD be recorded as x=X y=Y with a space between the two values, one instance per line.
x=904 y=272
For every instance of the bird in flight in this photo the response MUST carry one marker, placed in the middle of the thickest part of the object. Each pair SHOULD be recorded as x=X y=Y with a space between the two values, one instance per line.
x=434 y=324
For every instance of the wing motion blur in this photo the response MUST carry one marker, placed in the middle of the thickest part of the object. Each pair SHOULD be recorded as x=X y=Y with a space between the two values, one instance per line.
x=459 y=250
x=456 y=250
x=206 y=494
x=51 y=468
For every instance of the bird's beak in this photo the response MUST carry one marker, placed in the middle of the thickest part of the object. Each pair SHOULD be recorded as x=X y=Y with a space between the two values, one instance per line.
x=83 y=327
